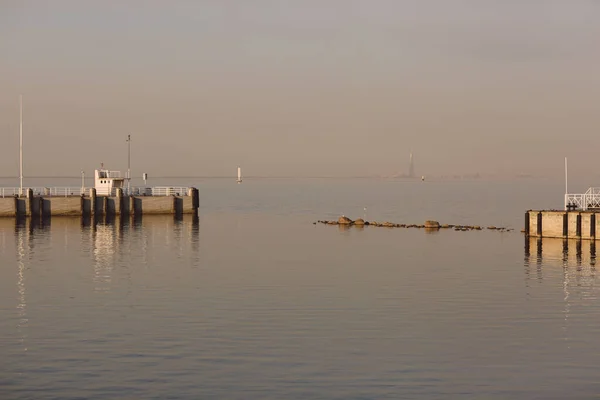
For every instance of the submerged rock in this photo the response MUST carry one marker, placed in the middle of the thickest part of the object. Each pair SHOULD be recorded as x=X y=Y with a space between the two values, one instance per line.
x=359 y=221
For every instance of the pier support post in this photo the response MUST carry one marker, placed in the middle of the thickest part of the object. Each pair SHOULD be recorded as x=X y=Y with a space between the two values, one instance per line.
x=132 y=209
x=578 y=227
x=93 y=201
x=539 y=224
x=174 y=207
x=119 y=202
x=30 y=207
x=527 y=223
x=105 y=206
x=593 y=226
x=566 y=225
x=195 y=198
x=41 y=206
x=17 y=213
x=82 y=204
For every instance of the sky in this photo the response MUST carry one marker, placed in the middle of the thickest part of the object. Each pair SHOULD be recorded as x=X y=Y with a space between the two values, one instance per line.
x=300 y=87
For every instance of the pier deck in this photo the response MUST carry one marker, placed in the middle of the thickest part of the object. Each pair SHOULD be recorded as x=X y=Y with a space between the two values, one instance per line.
x=566 y=224
x=47 y=205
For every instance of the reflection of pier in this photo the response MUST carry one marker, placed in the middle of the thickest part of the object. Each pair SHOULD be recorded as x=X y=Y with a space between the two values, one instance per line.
x=108 y=242
x=563 y=252
x=570 y=261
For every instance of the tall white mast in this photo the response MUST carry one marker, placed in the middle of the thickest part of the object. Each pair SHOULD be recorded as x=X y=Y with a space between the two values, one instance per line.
x=566 y=184
x=21 y=142
x=566 y=178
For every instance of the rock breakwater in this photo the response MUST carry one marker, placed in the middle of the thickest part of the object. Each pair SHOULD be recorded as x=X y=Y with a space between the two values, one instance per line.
x=428 y=225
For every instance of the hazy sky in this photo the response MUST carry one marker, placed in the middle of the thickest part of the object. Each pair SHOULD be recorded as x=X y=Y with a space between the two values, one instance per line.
x=323 y=87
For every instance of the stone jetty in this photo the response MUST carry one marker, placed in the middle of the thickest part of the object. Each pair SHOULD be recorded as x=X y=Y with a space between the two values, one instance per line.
x=429 y=225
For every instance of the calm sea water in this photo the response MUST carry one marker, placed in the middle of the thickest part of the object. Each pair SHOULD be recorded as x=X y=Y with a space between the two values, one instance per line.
x=253 y=301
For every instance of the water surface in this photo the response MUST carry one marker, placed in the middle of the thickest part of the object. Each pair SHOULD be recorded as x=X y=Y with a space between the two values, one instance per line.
x=252 y=300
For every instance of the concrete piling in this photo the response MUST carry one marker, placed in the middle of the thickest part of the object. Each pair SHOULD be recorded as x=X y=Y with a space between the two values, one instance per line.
x=119 y=202
x=93 y=201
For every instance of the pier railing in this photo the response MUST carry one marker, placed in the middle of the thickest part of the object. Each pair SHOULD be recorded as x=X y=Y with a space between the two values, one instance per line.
x=78 y=191
x=583 y=201
x=43 y=191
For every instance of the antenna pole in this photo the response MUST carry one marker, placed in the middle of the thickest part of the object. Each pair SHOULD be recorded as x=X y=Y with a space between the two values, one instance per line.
x=566 y=178
x=566 y=185
x=21 y=143
x=129 y=163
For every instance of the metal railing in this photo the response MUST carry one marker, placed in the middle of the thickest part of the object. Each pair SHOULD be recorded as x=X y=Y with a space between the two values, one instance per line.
x=43 y=191
x=78 y=191
x=169 y=191
x=588 y=200
x=109 y=174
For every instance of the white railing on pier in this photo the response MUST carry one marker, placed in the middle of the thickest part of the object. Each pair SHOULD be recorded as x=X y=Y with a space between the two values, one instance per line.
x=78 y=191
x=584 y=201
x=169 y=191
x=43 y=191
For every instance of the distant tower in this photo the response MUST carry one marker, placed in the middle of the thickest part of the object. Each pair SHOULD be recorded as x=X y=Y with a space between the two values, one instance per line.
x=411 y=166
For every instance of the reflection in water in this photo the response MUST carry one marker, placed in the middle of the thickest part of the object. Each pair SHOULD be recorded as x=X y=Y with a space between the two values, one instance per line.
x=21 y=235
x=577 y=262
x=343 y=228
x=104 y=247
x=107 y=240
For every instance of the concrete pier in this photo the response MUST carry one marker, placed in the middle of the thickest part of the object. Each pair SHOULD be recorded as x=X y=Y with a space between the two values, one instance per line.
x=91 y=205
x=562 y=224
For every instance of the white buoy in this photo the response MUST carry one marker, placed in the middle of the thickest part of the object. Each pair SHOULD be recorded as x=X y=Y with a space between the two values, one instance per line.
x=422 y=178
x=239 y=178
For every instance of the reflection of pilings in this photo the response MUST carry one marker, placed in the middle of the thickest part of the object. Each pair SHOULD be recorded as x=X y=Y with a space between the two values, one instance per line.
x=573 y=262
x=22 y=235
x=136 y=221
x=32 y=225
x=538 y=259
x=575 y=252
